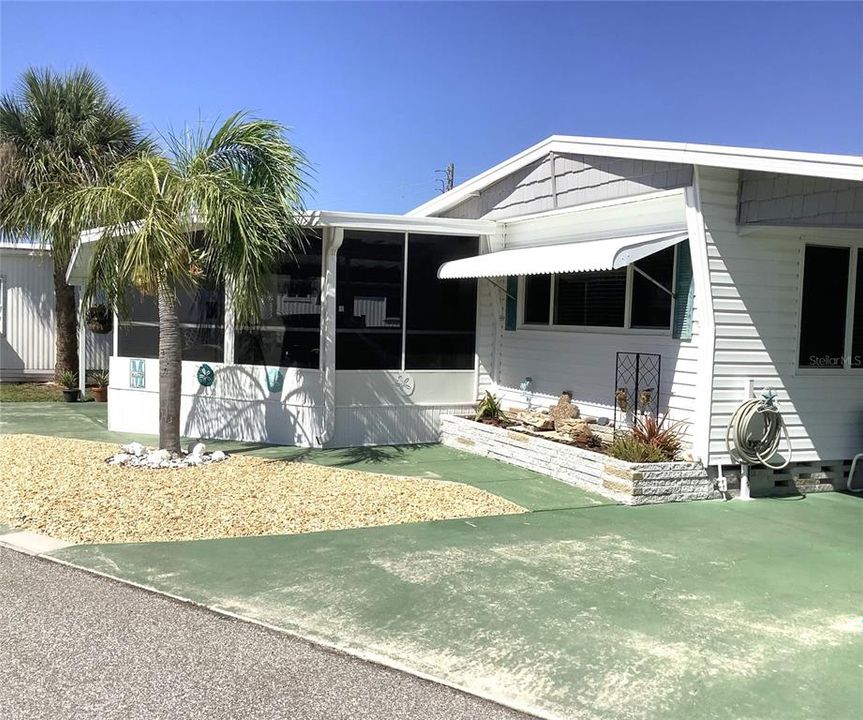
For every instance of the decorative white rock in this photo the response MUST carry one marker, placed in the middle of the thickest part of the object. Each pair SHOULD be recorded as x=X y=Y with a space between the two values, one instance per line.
x=134 y=448
x=138 y=456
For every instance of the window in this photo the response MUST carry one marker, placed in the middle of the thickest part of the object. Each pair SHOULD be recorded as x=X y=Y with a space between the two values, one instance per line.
x=441 y=314
x=857 y=328
x=537 y=299
x=369 y=283
x=202 y=325
x=651 y=305
x=598 y=298
x=289 y=332
x=595 y=299
x=824 y=307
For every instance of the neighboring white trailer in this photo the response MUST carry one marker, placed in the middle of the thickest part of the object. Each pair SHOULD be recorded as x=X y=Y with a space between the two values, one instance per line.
x=27 y=335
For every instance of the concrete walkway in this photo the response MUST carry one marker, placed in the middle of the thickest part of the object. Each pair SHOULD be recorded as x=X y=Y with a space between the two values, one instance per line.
x=78 y=646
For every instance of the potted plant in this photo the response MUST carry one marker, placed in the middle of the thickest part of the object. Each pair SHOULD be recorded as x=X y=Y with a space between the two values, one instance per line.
x=99 y=378
x=69 y=381
x=99 y=319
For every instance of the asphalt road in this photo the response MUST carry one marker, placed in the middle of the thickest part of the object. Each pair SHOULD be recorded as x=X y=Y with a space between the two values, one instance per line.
x=74 y=645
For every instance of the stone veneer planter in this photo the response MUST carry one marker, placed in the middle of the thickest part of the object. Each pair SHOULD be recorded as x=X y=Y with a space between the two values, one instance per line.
x=629 y=483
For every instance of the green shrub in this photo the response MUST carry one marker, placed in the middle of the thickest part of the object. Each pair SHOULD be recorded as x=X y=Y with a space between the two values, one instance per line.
x=99 y=378
x=69 y=379
x=633 y=449
x=660 y=434
x=489 y=408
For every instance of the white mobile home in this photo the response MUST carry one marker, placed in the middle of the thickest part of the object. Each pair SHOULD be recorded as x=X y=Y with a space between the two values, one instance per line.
x=736 y=268
x=27 y=327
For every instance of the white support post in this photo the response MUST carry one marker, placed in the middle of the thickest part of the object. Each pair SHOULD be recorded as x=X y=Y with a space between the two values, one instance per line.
x=333 y=238
x=82 y=345
x=228 y=348
x=748 y=392
x=744 y=483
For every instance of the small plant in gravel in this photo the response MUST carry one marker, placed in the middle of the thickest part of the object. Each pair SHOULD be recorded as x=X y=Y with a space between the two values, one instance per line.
x=661 y=434
x=490 y=409
x=631 y=449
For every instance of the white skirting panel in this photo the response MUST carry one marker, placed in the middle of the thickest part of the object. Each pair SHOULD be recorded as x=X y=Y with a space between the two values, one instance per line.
x=392 y=425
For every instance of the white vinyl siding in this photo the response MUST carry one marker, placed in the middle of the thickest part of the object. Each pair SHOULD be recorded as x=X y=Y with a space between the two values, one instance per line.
x=755 y=284
x=776 y=199
x=27 y=342
x=559 y=181
x=584 y=362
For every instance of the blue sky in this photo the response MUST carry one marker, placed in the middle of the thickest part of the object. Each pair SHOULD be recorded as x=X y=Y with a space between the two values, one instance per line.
x=380 y=95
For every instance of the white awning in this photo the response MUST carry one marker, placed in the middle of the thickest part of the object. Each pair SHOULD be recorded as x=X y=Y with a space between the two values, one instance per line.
x=562 y=258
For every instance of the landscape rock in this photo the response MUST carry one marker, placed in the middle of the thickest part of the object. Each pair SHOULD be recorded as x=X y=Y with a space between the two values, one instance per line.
x=134 y=448
x=574 y=426
x=536 y=420
x=564 y=410
x=156 y=459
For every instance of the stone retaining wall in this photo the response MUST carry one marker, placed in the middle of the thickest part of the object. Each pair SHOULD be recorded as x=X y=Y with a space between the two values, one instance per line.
x=628 y=483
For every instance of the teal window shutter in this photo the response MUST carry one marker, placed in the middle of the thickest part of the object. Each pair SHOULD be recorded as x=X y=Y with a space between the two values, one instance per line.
x=684 y=294
x=511 y=302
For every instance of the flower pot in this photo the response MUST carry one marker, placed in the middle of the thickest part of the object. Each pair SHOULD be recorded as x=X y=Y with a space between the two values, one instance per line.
x=100 y=394
x=99 y=328
x=71 y=395
x=99 y=319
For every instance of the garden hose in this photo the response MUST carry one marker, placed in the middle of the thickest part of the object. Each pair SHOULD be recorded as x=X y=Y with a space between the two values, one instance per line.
x=750 y=449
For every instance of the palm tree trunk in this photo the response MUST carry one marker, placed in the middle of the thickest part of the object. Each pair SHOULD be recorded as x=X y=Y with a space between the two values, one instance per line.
x=170 y=347
x=65 y=324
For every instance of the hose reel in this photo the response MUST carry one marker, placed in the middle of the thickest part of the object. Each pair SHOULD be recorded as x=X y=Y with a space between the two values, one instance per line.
x=749 y=447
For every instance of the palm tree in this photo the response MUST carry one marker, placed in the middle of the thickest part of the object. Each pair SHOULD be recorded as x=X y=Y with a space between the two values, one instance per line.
x=220 y=205
x=57 y=132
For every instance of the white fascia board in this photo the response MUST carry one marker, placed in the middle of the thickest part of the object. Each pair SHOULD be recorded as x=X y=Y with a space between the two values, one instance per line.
x=840 y=167
x=400 y=223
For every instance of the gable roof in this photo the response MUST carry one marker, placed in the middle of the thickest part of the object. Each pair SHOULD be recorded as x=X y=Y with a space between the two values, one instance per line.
x=842 y=167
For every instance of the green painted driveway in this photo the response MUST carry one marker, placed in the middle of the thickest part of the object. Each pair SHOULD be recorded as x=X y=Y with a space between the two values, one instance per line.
x=580 y=609
x=703 y=610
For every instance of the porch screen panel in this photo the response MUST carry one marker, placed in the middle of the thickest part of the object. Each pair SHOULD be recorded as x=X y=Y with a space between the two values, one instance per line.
x=201 y=313
x=289 y=332
x=369 y=282
x=441 y=314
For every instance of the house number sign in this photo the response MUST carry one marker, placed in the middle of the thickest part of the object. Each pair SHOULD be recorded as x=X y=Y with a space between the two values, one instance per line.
x=136 y=373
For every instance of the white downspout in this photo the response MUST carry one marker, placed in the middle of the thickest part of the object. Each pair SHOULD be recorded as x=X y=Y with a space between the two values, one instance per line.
x=333 y=238
x=704 y=314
